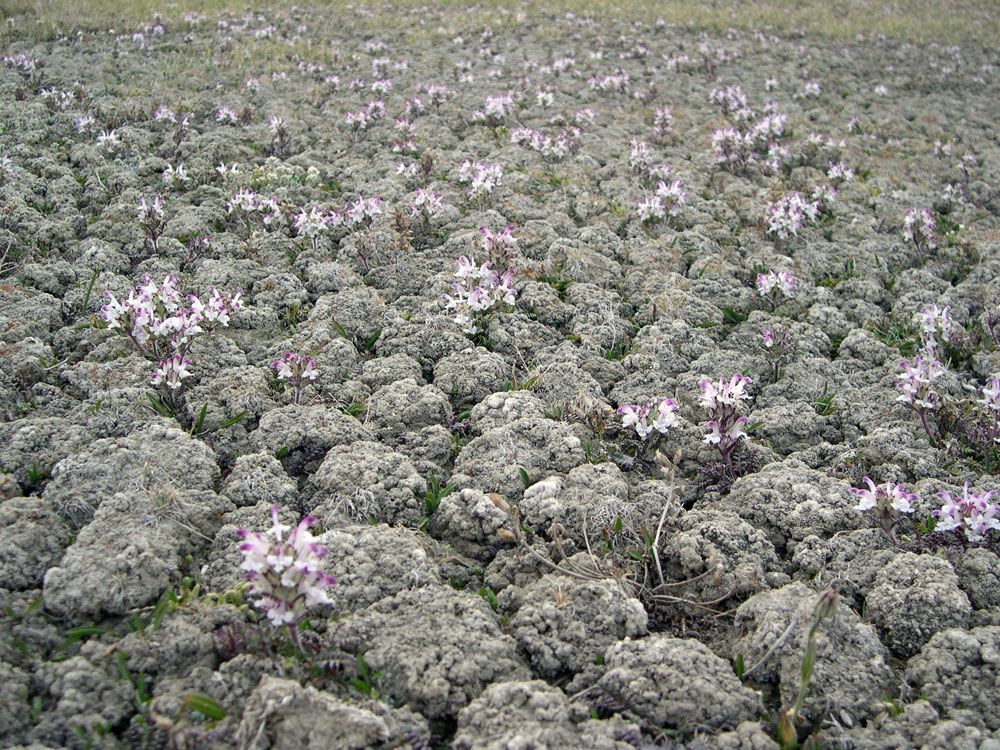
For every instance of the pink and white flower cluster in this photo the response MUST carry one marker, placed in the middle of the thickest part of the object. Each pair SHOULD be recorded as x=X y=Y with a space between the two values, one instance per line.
x=668 y=200
x=499 y=245
x=295 y=368
x=936 y=326
x=285 y=572
x=891 y=498
x=481 y=178
x=361 y=121
x=248 y=205
x=551 y=147
x=889 y=501
x=426 y=203
x=737 y=149
x=162 y=327
x=774 y=287
x=478 y=289
x=972 y=513
x=152 y=218
x=918 y=228
x=917 y=383
x=315 y=222
x=496 y=109
x=661 y=410
x=722 y=400
x=785 y=216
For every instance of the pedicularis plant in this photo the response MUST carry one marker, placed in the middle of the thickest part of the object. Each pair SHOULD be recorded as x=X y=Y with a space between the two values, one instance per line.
x=296 y=369
x=919 y=393
x=162 y=323
x=285 y=572
x=972 y=515
x=658 y=416
x=773 y=288
x=722 y=400
x=919 y=227
x=889 y=501
x=477 y=290
x=152 y=219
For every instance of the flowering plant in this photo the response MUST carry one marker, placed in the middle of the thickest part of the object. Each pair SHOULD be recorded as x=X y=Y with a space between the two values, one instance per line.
x=162 y=327
x=481 y=178
x=721 y=400
x=667 y=200
x=246 y=205
x=315 y=222
x=279 y=134
x=360 y=215
x=919 y=393
x=152 y=219
x=477 y=290
x=774 y=287
x=426 y=203
x=918 y=228
x=890 y=501
x=776 y=346
x=784 y=217
x=285 y=572
x=935 y=323
x=973 y=513
x=499 y=246
x=991 y=400
x=295 y=368
x=657 y=416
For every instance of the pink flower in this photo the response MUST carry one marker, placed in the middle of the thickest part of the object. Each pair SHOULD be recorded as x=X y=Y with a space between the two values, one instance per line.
x=285 y=573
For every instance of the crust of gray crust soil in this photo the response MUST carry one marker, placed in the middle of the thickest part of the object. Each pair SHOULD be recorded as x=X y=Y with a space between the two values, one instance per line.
x=515 y=567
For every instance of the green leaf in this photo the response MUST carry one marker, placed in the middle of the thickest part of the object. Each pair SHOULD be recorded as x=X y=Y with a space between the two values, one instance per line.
x=205 y=706
x=340 y=329
x=196 y=430
x=491 y=598
x=79 y=633
x=86 y=296
x=731 y=316
x=159 y=407
x=369 y=345
x=524 y=477
x=233 y=420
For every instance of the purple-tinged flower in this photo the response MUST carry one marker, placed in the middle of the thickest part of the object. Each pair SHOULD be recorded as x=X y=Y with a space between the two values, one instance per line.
x=285 y=572
x=785 y=216
x=894 y=496
x=774 y=287
x=973 y=513
x=916 y=382
x=662 y=411
x=721 y=400
x=478 y=289
x=171 y=371
x=918 y=228
x=889 y=501
x=481 y=178
x=162 y=328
